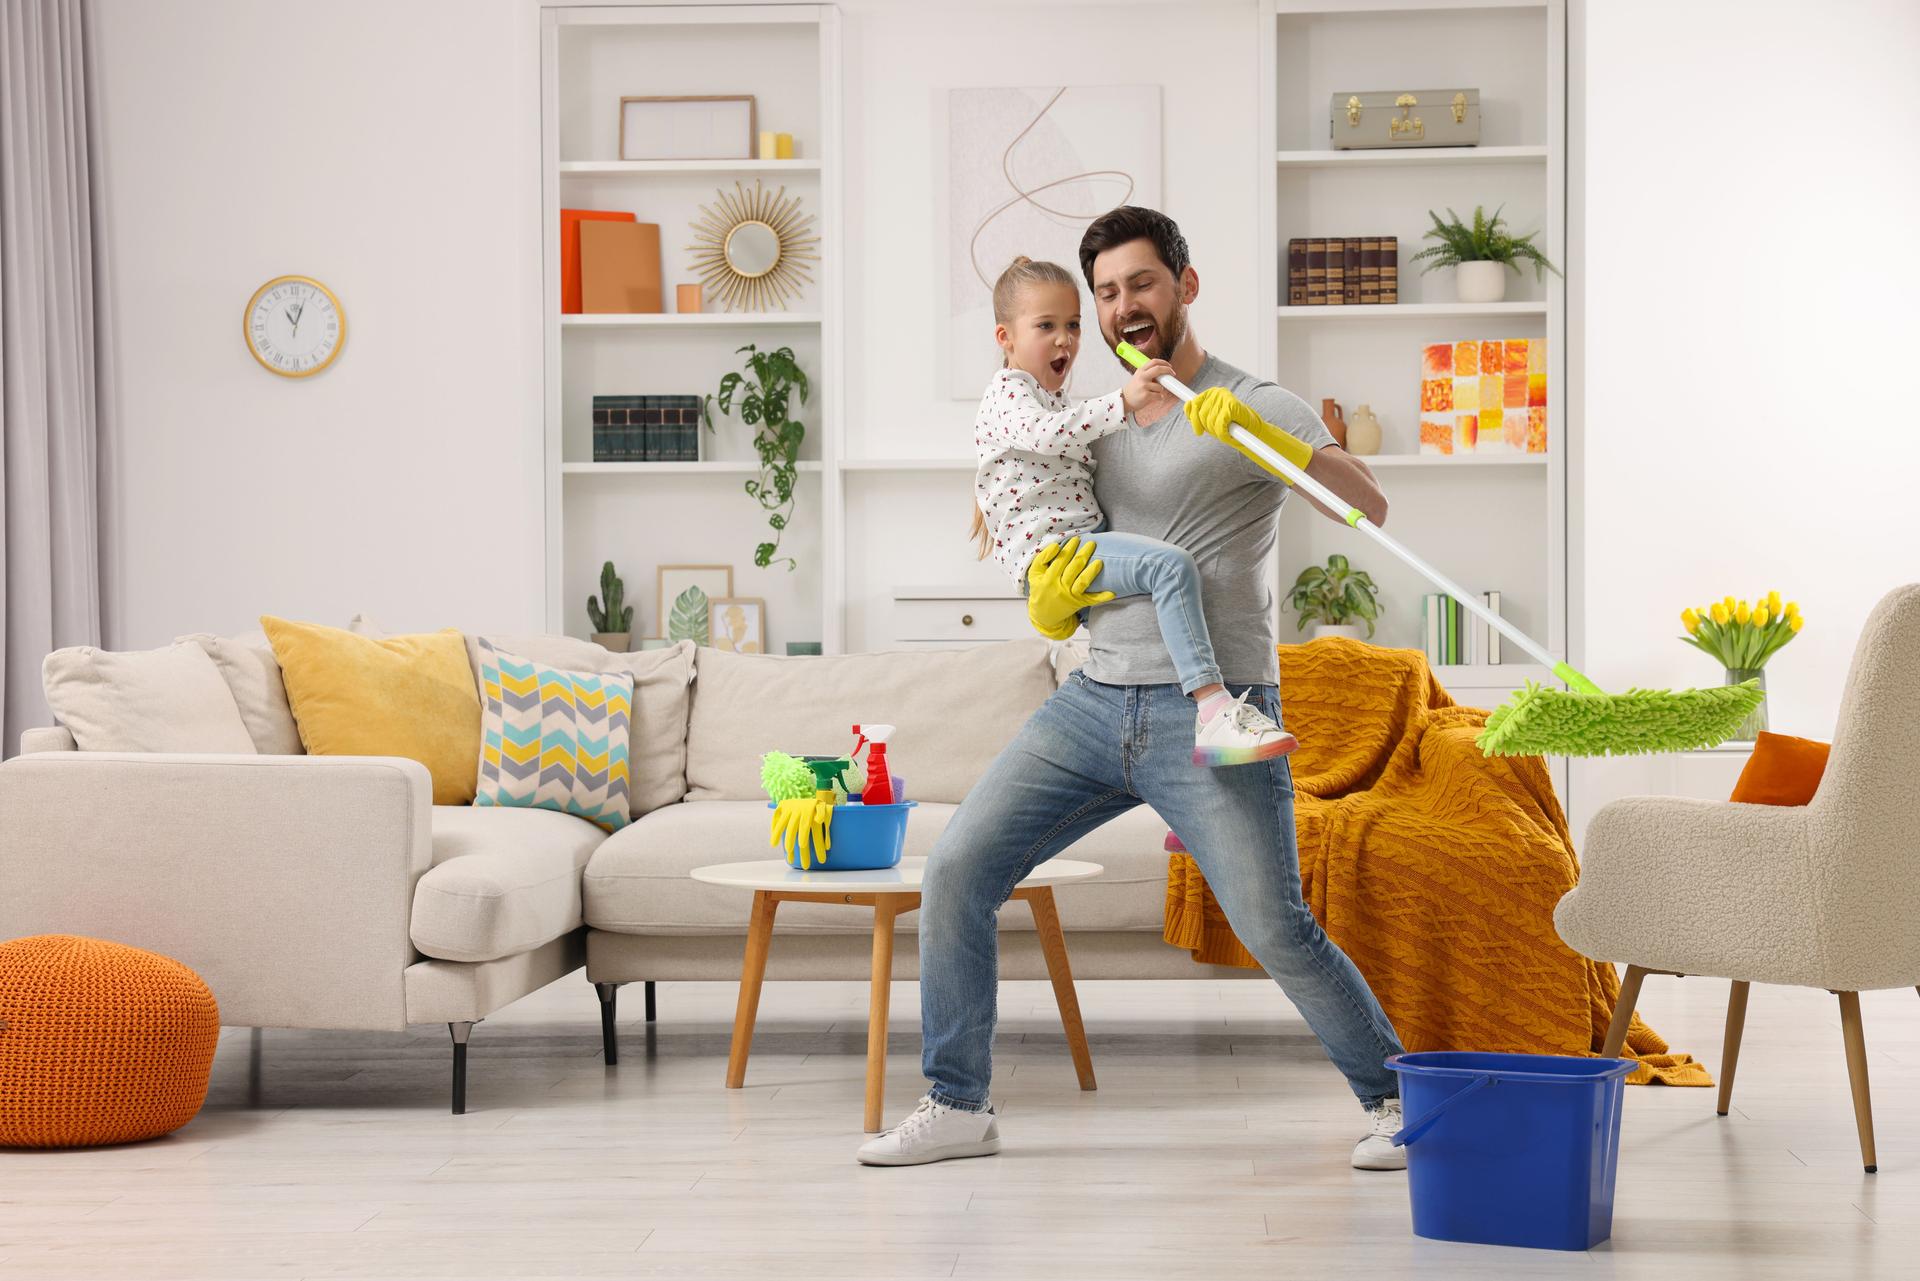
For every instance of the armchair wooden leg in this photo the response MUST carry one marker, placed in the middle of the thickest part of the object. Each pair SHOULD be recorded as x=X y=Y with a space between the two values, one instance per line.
x=1623 y=1012
x=649 y=1000
x=1856 y=1037
x=1730 y=1050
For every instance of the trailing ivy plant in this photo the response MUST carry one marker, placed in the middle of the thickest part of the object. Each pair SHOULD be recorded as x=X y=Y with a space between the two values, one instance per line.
x=1487 y=240
x=763 y=394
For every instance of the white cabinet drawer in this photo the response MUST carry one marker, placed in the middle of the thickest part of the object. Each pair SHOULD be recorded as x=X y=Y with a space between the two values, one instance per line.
x=960 y=618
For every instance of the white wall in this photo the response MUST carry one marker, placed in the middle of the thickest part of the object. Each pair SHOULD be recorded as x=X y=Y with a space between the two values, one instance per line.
x=1749 y=337
x=390 y=150
x=1747 y=422
x=901 y=57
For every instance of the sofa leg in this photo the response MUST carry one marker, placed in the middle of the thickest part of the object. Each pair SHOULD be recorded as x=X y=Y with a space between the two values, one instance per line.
x=460 y=1032
x=1730 y=1050
x=1856 y=1039
x=1623 y=1012
x=649 y=1000
x=609 y=1041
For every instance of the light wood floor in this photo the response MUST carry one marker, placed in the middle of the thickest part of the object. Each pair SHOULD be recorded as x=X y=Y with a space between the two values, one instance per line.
x=1215 y=1147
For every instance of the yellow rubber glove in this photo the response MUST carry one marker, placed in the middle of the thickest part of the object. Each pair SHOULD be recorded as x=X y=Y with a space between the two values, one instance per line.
x=1057 y=580
x=1216 y=409
x=801 y=825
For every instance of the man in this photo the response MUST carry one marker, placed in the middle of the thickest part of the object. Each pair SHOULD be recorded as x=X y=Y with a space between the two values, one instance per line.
x=1119 y=732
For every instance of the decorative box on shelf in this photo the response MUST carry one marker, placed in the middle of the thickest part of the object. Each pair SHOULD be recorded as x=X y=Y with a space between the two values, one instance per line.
x=1405 y=118
x=949 y=616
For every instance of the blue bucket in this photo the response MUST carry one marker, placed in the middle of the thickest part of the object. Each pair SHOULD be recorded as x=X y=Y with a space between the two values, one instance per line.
x=861 y=838
x=1511 y=1149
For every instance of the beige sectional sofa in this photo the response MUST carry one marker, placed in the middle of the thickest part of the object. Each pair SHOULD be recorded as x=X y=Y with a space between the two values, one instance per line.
x=329 y=892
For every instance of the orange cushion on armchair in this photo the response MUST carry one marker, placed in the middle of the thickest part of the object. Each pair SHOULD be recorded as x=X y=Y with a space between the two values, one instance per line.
x=1783 y=770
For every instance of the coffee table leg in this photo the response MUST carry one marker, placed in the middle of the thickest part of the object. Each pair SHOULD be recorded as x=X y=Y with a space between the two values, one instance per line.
x=752 y=971
x=1053 y=944
x=885 y=908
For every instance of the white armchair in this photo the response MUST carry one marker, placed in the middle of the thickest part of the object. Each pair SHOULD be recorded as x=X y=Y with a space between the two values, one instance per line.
x=1824 y=895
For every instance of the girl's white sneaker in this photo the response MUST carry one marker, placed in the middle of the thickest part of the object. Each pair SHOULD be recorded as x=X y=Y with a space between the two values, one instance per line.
x=1376 y=1151
x=933 y=1132
x=1239 y=735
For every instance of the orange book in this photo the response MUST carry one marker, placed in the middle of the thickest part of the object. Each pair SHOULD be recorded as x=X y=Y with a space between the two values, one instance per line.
x=620 y=268
x=570 y=220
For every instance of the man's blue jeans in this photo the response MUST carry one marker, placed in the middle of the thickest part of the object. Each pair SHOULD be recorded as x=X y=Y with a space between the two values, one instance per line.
x=1090 y=753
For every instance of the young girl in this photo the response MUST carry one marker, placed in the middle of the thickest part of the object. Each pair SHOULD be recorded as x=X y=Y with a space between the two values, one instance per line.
x=1034 y=488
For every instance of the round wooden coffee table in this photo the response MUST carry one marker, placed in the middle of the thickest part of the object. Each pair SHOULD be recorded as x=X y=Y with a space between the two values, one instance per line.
x=889 y=892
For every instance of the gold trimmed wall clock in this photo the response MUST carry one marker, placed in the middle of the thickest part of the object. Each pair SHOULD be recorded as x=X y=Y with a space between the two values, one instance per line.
x=295 y=326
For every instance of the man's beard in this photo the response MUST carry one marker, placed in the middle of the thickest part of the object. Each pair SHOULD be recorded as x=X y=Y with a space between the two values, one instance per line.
x=1169 y=332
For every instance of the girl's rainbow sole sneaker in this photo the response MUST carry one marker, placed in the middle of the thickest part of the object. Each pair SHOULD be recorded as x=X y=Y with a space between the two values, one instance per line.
x=1215 y=757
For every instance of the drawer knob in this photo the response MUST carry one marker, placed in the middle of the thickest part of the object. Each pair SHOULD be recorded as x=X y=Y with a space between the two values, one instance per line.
x=966 y=620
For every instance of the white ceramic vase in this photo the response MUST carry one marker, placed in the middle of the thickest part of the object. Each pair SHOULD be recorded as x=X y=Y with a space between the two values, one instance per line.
x=1480 y=281
x=1339 y=629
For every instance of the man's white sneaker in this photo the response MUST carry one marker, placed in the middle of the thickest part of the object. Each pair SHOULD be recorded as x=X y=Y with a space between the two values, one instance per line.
x=934 y=1132
x=1239 y=735
x=1376 y=1151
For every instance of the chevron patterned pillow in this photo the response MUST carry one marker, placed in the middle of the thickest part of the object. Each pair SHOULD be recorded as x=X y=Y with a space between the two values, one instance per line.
x=552 y=739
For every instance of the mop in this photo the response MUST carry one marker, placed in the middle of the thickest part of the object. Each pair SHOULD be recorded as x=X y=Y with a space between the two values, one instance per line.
x=1581 y=720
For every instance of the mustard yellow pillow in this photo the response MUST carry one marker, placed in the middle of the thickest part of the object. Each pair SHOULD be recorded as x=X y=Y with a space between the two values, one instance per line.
x=409 y=696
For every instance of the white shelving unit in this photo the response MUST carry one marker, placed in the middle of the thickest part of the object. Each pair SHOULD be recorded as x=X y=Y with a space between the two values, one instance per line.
x=1501 y=522
x=642 y=515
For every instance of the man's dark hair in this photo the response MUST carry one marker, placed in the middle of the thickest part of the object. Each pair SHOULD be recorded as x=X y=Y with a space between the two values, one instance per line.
x=1132 y=222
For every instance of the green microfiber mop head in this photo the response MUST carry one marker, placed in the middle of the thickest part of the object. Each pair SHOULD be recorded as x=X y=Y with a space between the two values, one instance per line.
x=1576 y=722
x=786 y=778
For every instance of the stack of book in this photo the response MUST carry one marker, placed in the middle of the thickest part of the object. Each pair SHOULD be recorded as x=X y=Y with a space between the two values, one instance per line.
x=1453 y=637
x=646 y=429
x=1348 y=270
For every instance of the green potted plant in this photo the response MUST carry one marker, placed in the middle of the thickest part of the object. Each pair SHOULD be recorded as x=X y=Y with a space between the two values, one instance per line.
x=764 y=394
x=1332 y=596
x=612 y=622
x=1481 y=254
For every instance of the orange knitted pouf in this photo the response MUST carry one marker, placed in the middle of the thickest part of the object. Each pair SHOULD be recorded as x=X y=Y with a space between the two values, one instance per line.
x=99 y=1043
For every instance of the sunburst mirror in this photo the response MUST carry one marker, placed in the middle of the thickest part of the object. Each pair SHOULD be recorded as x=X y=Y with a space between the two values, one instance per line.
x=750 y=248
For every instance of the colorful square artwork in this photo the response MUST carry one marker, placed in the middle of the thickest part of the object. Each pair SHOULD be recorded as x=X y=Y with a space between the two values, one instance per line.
x=1483 y=396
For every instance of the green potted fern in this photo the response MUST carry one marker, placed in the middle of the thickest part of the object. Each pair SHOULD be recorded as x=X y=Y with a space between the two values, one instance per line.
x=613 y=621
x=1480 y=254
x=1332 y=597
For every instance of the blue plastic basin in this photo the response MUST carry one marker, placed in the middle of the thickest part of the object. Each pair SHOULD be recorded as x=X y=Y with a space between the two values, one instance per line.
x=863 y=837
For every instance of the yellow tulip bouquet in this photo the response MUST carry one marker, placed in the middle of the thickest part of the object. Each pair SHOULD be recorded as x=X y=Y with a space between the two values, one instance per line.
x=1743 y=635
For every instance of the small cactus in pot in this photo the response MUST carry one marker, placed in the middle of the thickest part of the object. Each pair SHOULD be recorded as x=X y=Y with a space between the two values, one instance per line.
x=612 y=622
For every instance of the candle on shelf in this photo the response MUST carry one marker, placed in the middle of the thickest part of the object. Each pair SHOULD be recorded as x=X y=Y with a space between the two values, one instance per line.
x=686 y=298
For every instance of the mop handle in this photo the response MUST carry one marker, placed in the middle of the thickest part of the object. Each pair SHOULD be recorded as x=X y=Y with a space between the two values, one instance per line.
x=1356 y=518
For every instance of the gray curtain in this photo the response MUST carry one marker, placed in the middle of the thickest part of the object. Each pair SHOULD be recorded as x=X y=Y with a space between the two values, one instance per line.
x=49 y=508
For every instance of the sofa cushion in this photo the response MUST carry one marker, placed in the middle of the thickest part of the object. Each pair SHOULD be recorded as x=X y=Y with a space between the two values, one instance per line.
x=638 y=882
x=955 y=710
x=503 y=881
x=410 y=696
x=657 y=761
x=252 y=674
x=554 y=739
x=152 y=700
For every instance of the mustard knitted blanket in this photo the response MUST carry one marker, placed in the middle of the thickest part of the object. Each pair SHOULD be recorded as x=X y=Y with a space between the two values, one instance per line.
x=1435 y=868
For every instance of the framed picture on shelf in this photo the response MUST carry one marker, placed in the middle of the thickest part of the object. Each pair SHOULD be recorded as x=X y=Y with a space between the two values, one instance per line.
x=685 y=591
x=704 y=127
x=738 y=624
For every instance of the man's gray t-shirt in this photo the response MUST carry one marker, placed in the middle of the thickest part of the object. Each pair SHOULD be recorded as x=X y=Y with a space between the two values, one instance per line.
x=1163 y=481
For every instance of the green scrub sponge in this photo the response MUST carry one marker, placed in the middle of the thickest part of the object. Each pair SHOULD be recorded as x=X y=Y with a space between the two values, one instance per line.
x=785 y=777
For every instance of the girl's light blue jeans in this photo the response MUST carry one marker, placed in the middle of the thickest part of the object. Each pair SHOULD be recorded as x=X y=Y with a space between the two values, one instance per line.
x=1090 y=753
x=1136 y=566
